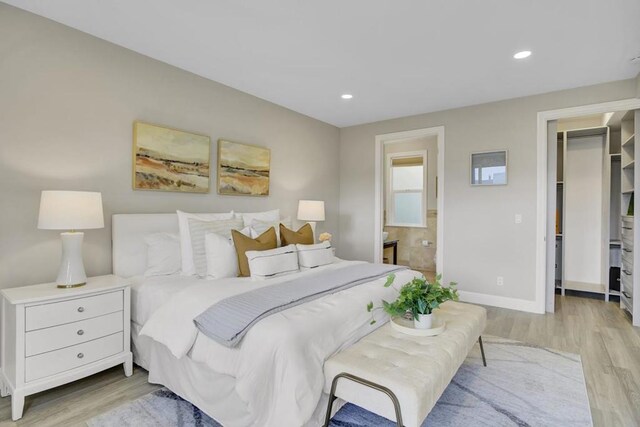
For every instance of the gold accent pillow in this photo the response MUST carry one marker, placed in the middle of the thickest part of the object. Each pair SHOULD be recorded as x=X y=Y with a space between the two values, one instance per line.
x=304 y=236
x=267 y=240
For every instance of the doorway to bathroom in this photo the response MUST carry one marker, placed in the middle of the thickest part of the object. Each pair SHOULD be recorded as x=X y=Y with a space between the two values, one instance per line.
x=409 y=199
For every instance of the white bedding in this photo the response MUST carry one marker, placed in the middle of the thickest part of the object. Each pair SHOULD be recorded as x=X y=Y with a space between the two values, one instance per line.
x=278 y=365
x=150 y=293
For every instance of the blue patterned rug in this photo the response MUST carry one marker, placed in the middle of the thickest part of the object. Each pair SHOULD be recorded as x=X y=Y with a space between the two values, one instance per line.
x=523 y=385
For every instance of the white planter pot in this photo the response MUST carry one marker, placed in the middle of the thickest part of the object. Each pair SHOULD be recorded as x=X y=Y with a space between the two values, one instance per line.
x=424 y=321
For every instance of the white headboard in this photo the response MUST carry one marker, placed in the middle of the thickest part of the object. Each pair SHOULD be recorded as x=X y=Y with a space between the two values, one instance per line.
x=128 y=233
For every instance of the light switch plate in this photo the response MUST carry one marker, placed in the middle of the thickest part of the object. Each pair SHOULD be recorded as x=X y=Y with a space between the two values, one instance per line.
x=518 y=218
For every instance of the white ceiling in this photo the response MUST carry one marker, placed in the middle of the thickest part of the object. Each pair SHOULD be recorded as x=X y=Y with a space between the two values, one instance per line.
x=397 y=57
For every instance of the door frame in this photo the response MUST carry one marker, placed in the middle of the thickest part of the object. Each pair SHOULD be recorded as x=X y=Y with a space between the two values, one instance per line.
x=541 y=203
x=396 y=137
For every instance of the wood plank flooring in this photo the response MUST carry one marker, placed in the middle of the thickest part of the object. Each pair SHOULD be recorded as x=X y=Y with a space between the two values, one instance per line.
x=600 y=332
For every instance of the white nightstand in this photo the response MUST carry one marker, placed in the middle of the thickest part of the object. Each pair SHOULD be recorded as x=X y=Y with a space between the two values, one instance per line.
x=53 y=336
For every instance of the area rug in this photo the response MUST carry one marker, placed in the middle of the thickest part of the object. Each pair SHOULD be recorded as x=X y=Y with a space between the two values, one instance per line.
x=523 y=385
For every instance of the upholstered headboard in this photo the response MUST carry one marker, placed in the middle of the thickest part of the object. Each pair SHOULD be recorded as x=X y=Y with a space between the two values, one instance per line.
x=128 y=233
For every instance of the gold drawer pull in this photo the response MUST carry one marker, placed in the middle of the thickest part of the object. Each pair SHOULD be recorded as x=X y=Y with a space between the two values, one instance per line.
x=80 y=309
x=80 y=332
x=80 y=355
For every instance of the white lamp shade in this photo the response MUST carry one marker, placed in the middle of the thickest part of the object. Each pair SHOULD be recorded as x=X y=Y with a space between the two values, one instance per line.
x=70 y=210
x=311 y=210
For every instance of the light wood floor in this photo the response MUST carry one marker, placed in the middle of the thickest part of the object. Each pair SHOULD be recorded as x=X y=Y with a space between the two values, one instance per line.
x=600 y=332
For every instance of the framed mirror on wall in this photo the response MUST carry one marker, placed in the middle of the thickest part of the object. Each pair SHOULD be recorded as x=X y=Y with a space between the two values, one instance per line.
x=489 y=168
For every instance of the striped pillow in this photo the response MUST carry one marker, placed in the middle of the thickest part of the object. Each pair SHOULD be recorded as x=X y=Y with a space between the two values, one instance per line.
x=312 y=256
x=198 y=229
x=260 y=227
x=273 y=262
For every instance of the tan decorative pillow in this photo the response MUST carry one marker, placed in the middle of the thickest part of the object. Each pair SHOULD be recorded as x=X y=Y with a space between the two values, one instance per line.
x=304 y=236
x=267 y=240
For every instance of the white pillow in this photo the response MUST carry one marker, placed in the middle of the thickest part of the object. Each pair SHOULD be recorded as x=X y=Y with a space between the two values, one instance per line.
x=258 y=227
x=186 y=252
x=273 y=262
x=312 y=256
x=163 y=254
x=198 y=229
x=268 y=216
x=222 y=259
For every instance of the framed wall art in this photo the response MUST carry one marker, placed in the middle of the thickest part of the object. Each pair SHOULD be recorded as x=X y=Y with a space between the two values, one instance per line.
x=168 y=159
x=489 y=168
x=243 y=169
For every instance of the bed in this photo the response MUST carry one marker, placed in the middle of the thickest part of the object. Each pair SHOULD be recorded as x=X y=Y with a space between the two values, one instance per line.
x=274 y=377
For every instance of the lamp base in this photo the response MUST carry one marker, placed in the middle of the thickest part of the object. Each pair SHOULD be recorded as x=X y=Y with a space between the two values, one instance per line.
x=71 y=273
x=77 y=285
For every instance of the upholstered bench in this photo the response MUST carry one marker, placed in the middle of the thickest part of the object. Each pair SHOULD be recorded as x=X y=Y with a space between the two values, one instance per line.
x=399 y=376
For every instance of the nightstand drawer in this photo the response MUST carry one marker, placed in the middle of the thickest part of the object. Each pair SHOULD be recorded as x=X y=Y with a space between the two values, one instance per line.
x=73 y=310
x=58 y=337
x=54 y=362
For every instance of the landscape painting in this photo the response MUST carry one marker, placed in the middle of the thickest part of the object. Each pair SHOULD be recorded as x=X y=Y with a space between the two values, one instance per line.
x=243 y=169
x=170 y=160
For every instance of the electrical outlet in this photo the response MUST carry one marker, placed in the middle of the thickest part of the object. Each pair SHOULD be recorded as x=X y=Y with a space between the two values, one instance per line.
x=518 y=218
x=500 y=281
x=426 y=243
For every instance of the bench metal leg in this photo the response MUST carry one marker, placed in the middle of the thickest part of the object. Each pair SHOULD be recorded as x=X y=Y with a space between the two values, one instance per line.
x=362 y=381
x=484 y=360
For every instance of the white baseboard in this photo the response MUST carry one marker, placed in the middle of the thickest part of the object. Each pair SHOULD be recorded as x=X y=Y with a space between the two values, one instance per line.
x=498 y=301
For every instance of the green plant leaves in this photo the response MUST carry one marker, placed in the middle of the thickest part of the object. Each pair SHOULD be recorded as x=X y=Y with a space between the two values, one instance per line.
x=390 y=278
x=417 y=297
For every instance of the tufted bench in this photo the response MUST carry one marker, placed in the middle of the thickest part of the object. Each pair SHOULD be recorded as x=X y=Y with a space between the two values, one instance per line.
x=401 y=377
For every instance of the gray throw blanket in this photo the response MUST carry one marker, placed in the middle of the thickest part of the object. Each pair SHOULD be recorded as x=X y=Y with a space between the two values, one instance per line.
x=228 y=320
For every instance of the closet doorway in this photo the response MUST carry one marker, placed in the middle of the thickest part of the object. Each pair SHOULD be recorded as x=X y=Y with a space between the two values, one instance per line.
x=409 y=199
x=590 y=207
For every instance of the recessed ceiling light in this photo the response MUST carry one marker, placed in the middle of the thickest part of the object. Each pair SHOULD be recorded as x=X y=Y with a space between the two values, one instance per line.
x=523 y=54
x=346 y=96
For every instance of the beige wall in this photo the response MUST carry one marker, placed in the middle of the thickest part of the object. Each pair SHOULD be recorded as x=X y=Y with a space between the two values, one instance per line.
x=411 y=251
x=481 y=240
x=67 y=105
x=581 y=122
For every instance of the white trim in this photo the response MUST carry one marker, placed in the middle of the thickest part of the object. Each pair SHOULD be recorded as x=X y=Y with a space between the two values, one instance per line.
x=378 y=207
x=541 y=202
x=498 y=301
x=389 y=186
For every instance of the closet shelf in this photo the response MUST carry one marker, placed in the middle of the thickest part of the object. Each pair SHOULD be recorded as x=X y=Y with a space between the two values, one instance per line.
x=615 y=243
x=629 y=165
x=629 y=191
x=560 y=183
x=629 y=140
x=615 y=155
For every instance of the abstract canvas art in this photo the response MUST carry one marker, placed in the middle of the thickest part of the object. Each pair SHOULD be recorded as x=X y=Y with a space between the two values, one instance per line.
x=243 y=169
x=169 y=159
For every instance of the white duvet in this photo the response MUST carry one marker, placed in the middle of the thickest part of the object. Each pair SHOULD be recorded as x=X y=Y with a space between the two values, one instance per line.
x=278 y=364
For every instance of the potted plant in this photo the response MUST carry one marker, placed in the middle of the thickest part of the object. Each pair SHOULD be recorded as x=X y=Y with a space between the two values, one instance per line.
x=419 y=298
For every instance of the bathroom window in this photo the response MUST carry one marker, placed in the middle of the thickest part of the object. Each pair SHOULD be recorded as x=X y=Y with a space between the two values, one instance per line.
x=407 y=189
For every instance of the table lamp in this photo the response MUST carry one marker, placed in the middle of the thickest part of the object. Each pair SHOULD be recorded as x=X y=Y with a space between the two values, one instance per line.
x=311 y=211
x=71 y=210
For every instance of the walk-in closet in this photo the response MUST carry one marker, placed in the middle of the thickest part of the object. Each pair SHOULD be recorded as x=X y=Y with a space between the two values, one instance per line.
x=595 y=226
